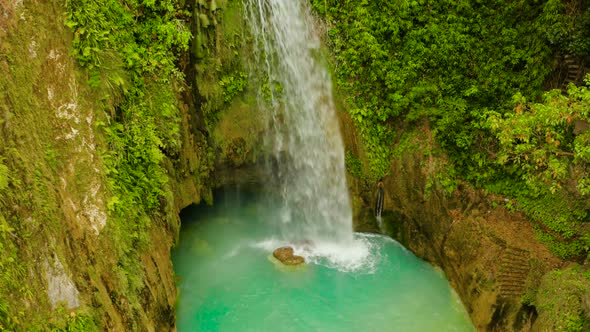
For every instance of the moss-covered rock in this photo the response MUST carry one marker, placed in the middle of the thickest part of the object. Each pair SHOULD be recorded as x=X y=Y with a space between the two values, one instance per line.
x=563 y=301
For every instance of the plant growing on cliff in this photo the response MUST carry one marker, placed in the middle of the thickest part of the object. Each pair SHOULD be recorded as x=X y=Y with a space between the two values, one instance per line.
x=537 y=140
x=232 y=85
x=76 y=322
x=147 y=37
x=567 y=24
x=560 y=301
x=3 y=176
x=144 y=33
x=10 y=278
x=539 y=145
x=448 y=62
x=353 y=165
x=131 y=50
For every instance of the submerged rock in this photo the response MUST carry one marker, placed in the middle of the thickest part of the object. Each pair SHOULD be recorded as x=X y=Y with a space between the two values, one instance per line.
x=286 y=256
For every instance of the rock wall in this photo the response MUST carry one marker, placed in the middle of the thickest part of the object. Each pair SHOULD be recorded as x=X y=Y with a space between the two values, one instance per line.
x=82 y=267
x=60 y=254
x=490 y=254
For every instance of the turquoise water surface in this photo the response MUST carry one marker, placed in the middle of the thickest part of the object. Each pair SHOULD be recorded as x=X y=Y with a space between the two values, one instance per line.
x=228 y=280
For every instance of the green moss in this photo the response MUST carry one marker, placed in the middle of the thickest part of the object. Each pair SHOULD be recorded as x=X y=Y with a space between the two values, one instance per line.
x=3 y=176
x=559 y=221
x=353 y=165
x=560 y=301
x=75 y=322
x=222 y=52
x=532 y=282
x=28 y=207
x=233 y=85
x=237 y=133
x=13 y=273
x=228 y=99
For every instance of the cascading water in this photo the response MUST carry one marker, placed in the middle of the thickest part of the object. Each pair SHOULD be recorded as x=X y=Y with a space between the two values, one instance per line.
x=304 y=135
x=353 y=282
x=304 y=131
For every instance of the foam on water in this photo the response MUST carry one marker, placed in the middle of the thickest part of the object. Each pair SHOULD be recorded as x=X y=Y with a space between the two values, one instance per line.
x=358 y=255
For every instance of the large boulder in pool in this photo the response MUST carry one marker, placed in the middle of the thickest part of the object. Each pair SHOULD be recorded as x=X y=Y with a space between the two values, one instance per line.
x=286 y=256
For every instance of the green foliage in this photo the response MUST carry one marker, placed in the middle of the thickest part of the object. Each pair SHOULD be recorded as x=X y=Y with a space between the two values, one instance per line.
x=447 y=61
x=3 y=176
x=536 y=140
x=77 y=323
x=353 y=165
x=448 y=180
x=567 y=24
x=51 y=157
x=574 y=323
x=559 y=221
x=560 y=301
x=131 y=51
x=142 y=40
x=11 y=278
x=476 y=71
x=532 y=282
x=233 y=85
x=537 y=148
x=271 y=90
x=144 y=33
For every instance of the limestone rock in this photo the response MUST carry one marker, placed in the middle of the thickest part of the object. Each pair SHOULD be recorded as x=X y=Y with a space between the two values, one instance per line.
x=286 y=256
x=60 y=288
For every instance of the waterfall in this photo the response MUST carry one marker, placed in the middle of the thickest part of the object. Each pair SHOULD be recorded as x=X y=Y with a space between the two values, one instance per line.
x=304 y=133
x=379 y=204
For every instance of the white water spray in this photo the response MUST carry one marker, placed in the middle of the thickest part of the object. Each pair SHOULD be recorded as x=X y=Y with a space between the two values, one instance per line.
x=305 y=132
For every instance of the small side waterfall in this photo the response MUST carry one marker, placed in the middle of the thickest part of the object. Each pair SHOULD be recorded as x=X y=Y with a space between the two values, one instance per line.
x=379 y=203
x=305 y=134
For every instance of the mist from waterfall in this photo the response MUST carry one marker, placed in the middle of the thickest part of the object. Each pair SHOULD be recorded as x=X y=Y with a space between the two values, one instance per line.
x=304 y=133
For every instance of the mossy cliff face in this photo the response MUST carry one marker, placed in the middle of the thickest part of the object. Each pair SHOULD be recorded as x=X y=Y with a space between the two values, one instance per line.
x=70 y=259
x=225 y=92
x=507 y=279
x=53 y=206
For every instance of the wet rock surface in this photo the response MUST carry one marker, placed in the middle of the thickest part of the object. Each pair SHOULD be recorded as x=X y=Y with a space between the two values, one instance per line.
x=286 y=256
